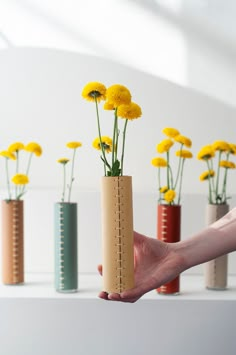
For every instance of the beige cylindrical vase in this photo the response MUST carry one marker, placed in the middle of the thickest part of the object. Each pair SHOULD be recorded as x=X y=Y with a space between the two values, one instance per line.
x=117 y=233
x=216 y=271
x=12 y=242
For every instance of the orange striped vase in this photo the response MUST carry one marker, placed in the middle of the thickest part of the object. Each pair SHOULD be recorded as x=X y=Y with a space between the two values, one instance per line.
x=13 y=242
x=169 y=230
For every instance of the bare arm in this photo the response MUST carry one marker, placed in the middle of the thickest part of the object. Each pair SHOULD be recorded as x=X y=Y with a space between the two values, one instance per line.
x=157 y=263
x=215 y=240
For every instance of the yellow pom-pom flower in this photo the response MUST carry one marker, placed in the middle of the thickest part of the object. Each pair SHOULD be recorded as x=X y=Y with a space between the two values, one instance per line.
x=186 y=154
x=227 y=164
x=170 y=132
x=163 y=189
x=106 y=143
x=118 y=95
x=74 y=145
x=15 y=147
x=164 y=146
x=8 y=155
x=183 y=140
x=170 y=196
x=35 y=148
x=63 y=161
x=108 y=106
x=20 y=179
x=94 y=91
x=129 y=111
x=232 y=149
x=206 y=175
x=221 y=146
x=159 y=162
x=206 y=153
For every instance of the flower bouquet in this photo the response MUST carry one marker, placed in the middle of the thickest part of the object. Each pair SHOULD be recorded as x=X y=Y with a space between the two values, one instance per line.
x=117 y=210
x=169 y=208
x=13 y=211
x=217 y=158
x=65 y=212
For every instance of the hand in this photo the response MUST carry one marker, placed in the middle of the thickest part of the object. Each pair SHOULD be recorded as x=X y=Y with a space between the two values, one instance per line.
x=156 y=263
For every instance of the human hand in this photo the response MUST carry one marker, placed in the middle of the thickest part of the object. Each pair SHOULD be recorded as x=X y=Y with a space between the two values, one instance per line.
x=156 y=263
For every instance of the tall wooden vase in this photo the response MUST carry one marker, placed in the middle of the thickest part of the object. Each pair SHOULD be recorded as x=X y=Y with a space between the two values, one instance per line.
x=117 y=233
x=13 y=242
x=216 y=271
x=169 y=230
x=66 y=259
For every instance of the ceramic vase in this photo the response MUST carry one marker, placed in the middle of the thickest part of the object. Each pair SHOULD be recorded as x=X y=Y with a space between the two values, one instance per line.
x=169 y=231
x=117 y=233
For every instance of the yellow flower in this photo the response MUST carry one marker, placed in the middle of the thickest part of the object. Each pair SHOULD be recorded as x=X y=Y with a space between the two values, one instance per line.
x=221 y=146
x=170 y=132
x=108 y=106
x=159 y=162
x=164 y=145
x=184 y=154
x=170 y=196
x=227 y=164
x=129 y=111
x=15 y=147
x=163 y=189
x=94 y=90
x=206 y=152
x=35 y=148
x=118 y=95
x=74 y=145
x=206 y=175
x=183 y=140
x=106 y=142
x=63 y=161
x=232 y=148
x=8 y=155
x=20 y=179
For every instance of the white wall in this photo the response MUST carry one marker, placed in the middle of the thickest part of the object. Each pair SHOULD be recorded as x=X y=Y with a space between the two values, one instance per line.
x=41 y=100
x=188 y=42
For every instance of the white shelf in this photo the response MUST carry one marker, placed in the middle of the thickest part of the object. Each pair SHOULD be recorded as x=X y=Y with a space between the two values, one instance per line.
x=35 y=319
x=40 y=285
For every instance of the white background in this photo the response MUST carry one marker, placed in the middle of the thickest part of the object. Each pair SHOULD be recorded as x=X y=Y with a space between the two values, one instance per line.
x=41 y=101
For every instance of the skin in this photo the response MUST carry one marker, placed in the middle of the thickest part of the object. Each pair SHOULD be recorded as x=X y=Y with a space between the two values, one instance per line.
x=157 y=263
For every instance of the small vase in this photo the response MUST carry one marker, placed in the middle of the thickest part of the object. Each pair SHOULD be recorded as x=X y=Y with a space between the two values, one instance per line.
x=169 y=231
x=216 y=270
x=66 y=259
x=12 y=242
x=117 y=233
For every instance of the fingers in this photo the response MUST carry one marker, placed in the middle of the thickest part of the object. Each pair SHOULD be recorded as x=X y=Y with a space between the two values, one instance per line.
x=103 y=295
x=99 y=267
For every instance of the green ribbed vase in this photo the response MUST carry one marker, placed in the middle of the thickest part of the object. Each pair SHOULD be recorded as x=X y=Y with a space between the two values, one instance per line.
x=66 y=259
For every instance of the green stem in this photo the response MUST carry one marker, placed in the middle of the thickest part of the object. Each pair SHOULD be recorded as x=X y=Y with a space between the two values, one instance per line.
x=167 y=170
x=72 y=175
x=159 y=183
x=123 y=146
x=223 y=197
x=27 y=170
x=209 y=183
x=114 y=147
x=181 y=180
x=64 y=183
x=218 y=176
x=100 y=136
x=17 y=170
x=213 y=178
x=178 y=171
x=8 y=179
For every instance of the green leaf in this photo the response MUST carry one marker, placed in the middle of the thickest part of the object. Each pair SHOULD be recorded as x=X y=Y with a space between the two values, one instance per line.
x=115 y=171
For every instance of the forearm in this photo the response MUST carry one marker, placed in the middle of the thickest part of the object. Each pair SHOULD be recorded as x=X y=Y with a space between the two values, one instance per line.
x=213 y=241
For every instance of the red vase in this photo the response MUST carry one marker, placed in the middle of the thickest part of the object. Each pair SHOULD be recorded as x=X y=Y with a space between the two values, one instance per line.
x=169 y=230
